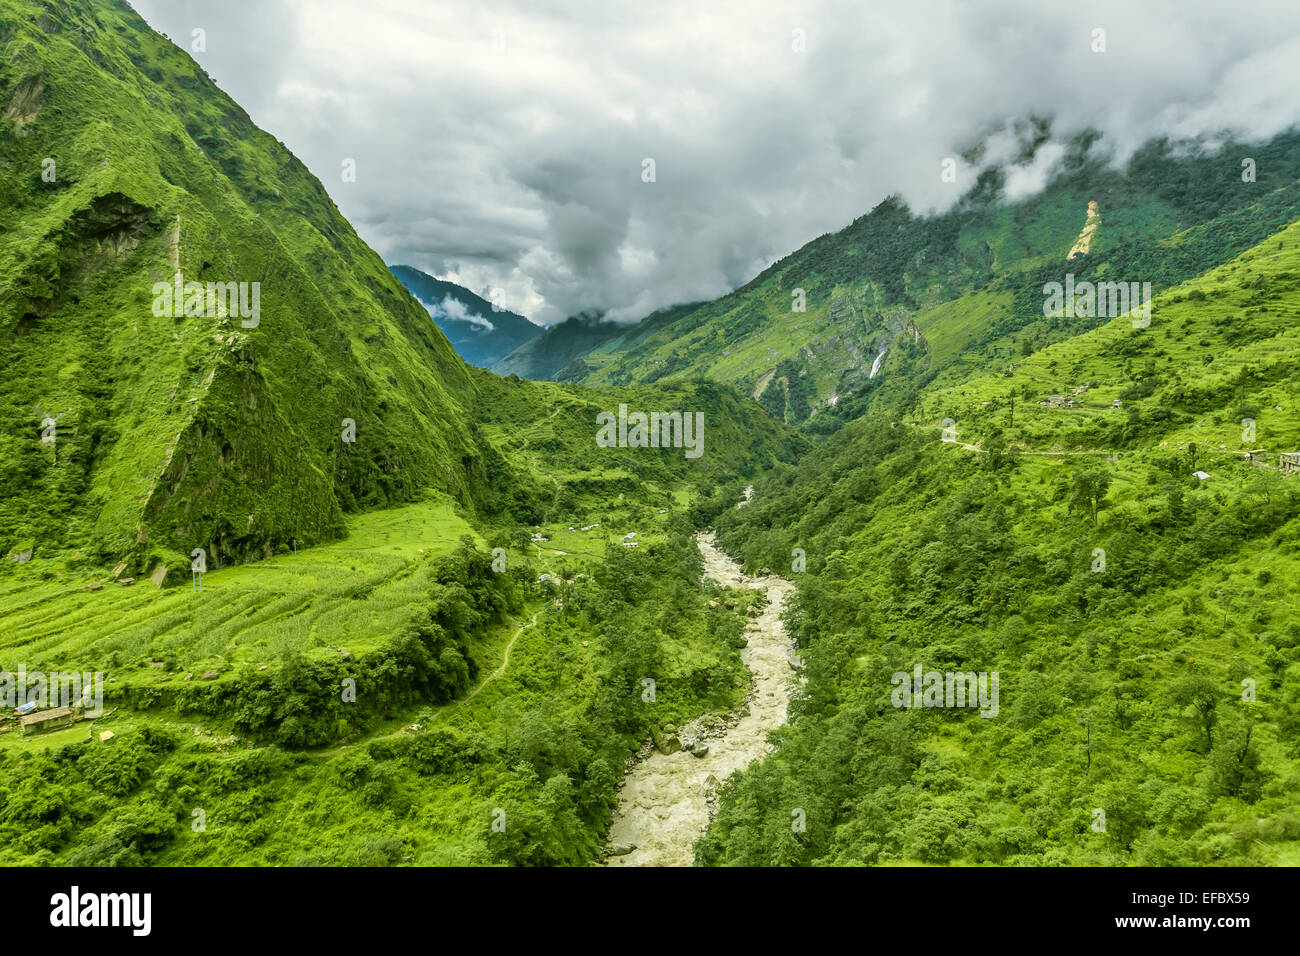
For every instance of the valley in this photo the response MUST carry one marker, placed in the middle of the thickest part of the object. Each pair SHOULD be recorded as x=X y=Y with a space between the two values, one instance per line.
x=461 y=607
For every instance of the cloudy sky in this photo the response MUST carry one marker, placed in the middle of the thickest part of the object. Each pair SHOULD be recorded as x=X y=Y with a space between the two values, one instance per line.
x=503 y=147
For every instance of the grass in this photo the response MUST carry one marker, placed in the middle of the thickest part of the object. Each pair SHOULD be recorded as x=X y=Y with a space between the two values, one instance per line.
x=246 y=614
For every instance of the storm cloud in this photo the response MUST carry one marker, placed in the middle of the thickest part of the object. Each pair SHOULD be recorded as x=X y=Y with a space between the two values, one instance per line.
x=502 y=147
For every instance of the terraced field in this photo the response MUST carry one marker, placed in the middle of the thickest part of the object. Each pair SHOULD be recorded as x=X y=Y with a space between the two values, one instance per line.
x=308 y=602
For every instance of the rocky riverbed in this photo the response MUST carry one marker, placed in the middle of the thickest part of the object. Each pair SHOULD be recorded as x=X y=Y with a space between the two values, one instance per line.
x=667 y=799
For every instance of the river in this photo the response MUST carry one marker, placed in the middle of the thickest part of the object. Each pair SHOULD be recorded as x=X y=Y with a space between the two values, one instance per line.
x=667 y=800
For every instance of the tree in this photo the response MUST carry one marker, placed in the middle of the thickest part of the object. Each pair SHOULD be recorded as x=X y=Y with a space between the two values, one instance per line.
x=1086 y=721
x=1201 y=697
x=1234 y=760
x=1088 y=491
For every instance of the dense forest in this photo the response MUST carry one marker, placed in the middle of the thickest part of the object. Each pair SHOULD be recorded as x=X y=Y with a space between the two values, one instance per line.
x=1131 y=579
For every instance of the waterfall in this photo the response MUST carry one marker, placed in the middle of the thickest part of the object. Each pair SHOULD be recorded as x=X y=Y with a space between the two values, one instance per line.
x=880 y=357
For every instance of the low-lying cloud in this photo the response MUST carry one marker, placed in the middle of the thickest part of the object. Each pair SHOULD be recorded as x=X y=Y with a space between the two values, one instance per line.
x=456 y=310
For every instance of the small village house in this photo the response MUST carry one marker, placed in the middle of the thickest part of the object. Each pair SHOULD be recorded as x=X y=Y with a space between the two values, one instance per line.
x=44 y=721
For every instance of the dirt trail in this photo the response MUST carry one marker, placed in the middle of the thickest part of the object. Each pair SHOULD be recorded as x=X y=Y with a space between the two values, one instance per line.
x=505 y=661
x=666 y=802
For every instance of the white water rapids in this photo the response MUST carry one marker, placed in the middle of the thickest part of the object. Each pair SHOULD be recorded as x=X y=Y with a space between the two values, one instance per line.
x=666 y=800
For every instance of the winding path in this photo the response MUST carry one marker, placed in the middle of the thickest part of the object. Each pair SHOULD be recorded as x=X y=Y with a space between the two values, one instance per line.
x=505 y=660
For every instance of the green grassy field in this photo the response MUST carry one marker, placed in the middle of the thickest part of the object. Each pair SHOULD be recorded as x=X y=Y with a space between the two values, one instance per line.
x=246 y=614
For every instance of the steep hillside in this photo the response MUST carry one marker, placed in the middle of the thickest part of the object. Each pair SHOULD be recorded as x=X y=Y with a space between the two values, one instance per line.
x=548 y=432
x=1144 y=620
x=894 y=299
x=481 y=680
x=123 y=165
x=435 y=597
x=550 y=353
x=568 y=351
x=479 y=334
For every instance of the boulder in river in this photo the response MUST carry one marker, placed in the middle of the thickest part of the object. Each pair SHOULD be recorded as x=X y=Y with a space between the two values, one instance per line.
x=665 y=743
x=621 y=849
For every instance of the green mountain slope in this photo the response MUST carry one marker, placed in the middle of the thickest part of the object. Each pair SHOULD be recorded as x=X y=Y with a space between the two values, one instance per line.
x=896 y=296
x=408 y=639
x=1144 y=621
x=566 y=351
x=479 y=334
x=123 y=164
x=550 y=353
